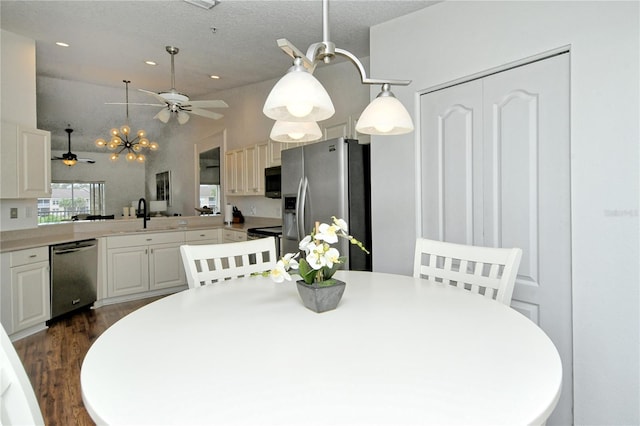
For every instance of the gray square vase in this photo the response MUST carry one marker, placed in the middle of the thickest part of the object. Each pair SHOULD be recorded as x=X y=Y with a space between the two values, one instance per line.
x=321 y=298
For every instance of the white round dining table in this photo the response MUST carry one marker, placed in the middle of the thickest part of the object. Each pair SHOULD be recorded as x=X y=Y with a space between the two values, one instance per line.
x=397 y=351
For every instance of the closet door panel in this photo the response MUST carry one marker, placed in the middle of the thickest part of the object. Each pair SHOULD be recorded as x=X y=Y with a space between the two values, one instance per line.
x=452 y=164
x=527 y=195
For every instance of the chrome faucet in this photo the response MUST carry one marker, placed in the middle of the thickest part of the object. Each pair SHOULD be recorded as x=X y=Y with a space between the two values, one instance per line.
x=144 y=211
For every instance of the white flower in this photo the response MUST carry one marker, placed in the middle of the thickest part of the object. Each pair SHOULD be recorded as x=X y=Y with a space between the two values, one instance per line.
x=289 y=261
x=315 y=256
x=279 y=273
x=341 y=223
x=332 y=256
x=327 y=233
x=304 y=243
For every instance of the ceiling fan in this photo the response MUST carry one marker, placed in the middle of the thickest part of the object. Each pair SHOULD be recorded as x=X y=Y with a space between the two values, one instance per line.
x=176 y=102
x=69 y=158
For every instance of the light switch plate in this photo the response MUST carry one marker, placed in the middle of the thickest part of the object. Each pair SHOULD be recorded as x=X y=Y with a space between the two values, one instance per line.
x=13 y=213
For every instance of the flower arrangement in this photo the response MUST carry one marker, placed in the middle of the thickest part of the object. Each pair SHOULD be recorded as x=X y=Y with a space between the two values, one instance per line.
x=321 y=260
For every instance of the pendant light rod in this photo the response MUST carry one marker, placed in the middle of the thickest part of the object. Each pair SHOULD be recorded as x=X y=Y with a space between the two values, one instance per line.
x=326 y=50
x=126 y=97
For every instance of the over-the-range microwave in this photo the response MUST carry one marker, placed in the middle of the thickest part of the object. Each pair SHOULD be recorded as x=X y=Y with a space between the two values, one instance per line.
x=272 y=182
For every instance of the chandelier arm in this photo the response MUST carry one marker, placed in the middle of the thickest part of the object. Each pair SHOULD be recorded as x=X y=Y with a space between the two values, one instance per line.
x=363 y=72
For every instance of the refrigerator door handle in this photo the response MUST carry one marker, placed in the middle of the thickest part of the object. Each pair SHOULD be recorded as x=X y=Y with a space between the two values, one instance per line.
x=303 y=203
x=298 y=216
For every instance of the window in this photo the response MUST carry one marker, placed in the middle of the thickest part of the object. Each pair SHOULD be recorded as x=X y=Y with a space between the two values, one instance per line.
x=70 y=200
x=210 y=197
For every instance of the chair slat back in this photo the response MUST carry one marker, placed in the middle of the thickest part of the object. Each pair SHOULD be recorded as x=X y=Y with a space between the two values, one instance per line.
x=18 y=403
x=488 y=271
x=210 y=263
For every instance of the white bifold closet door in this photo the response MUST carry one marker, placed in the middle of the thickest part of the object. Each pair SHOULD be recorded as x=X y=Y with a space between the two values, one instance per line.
x=495 y=171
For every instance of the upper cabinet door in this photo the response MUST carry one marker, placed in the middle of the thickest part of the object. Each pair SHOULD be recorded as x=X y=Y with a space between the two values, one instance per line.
x=26 y=162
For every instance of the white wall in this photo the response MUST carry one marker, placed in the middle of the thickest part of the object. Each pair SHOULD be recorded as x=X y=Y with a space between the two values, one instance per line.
x=455 y=39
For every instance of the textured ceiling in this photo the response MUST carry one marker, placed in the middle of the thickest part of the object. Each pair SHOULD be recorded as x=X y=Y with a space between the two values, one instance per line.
x=110 y=40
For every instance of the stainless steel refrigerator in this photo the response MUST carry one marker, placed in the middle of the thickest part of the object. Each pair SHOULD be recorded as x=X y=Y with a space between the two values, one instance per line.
x=324 y=179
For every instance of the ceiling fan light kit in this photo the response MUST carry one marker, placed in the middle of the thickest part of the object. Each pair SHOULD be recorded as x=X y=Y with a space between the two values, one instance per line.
x=295 y=97
x=69 y=158
x=120 y=139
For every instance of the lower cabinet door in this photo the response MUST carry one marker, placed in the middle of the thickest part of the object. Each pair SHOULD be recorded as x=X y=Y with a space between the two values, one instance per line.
x=29 y=295
x=165 y=266
x=127 y=270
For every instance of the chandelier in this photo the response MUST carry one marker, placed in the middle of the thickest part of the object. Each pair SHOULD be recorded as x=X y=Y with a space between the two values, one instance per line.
x=298 y=100
x=120 y=142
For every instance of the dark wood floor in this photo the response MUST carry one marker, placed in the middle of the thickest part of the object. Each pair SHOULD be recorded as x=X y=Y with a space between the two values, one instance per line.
x=53 y=357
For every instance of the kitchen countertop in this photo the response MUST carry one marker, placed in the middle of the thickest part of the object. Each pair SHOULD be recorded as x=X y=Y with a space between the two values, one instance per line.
x=45 y=235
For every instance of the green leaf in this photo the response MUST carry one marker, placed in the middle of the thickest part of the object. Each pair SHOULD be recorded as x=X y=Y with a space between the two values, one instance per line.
x=328 y=272
x=306 y=271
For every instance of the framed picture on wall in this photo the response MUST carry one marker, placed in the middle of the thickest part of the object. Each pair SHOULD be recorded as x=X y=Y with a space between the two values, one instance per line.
x=163 y=187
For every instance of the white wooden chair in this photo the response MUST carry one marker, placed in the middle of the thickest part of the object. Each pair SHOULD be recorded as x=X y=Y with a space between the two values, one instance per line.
x=209 y=263
x=485 y=270
x=18 y=403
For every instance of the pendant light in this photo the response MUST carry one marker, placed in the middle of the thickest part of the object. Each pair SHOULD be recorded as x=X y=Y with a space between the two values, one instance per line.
x=299 y=97
x=120 y=141
x=295 y=131
x=385 y=115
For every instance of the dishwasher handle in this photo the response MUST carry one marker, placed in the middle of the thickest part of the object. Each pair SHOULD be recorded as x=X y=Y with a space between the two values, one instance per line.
x=73 y=250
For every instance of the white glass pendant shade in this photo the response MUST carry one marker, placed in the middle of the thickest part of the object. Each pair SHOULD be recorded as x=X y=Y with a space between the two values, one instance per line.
x=69 y=162
x=385 y=115
x=153 y=146
x=100 y=142
x=298 y=96
x=130 y=156
x=291 y=131
x=140 y=158
x=114 y=156
x=183 y=117
x=163 y=115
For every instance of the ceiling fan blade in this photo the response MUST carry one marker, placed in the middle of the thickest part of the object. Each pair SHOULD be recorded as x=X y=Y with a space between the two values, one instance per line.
x=86 y=160
x=155 y=95
x=131 y=103
x=205 y=113
x=209 y=104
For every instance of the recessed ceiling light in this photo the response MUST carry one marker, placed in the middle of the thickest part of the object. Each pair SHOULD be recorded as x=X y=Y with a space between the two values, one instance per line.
x=150 y=63
x=215 y=77
x=61 y=44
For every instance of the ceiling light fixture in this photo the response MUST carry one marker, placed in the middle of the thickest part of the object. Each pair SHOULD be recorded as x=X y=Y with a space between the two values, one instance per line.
x=61 y=44
x=289 y=131
x=120 y=139
x=153 y=63
x=299 y=97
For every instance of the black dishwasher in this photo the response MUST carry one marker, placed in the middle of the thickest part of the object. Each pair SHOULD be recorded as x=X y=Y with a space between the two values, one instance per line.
x=74 y=276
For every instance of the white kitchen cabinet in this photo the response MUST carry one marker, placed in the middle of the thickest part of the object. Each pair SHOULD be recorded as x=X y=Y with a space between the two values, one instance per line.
x=275 y=152
x=142 y=263
x=235 y=176
x=244 y=170
x=256 y=161
x=232 y=236
x=25 y=157
x=204 y=236
x=25 y=289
